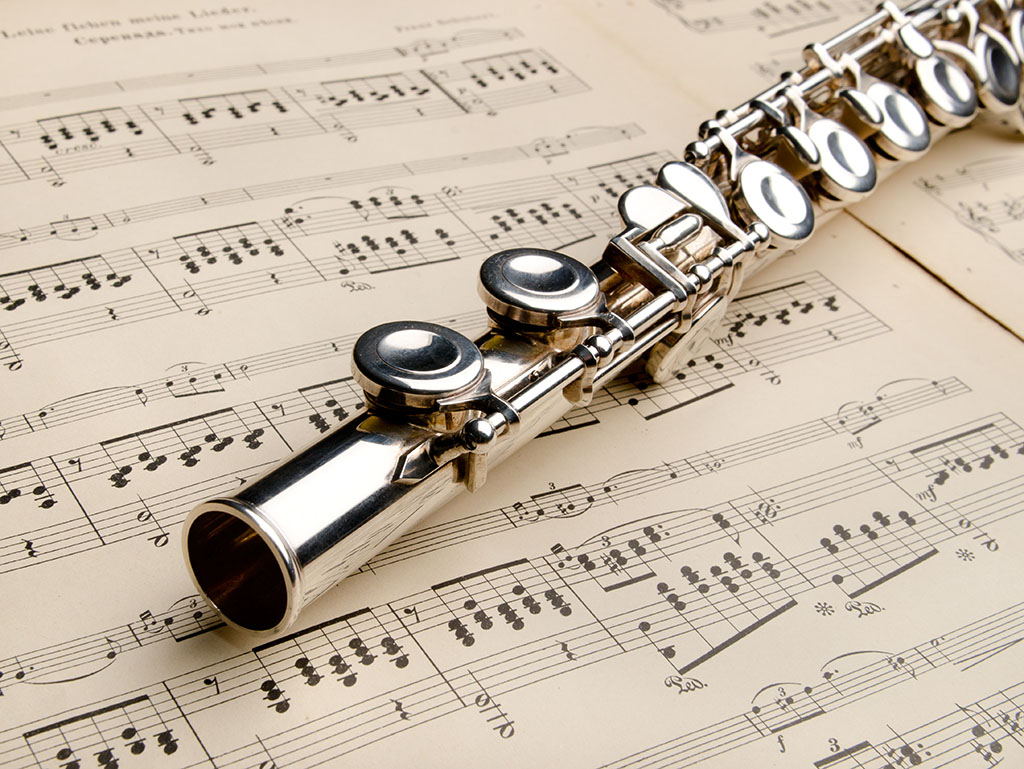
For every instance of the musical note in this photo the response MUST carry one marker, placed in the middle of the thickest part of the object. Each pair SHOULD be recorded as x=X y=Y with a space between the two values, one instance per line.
x=510 y=593
x=114 y=649
x=184 y=619
x=895 y=538
x=233 y=245
x=982 y=195
x=335 y=397
x=80 y=228
x=492 y=711
x=195 y=385
x=766 y=18
x=115 y=729
x=563 y=503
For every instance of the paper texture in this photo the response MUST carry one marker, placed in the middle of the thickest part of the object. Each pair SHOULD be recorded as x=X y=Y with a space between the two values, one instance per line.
x=971 y=185
x=802 y=552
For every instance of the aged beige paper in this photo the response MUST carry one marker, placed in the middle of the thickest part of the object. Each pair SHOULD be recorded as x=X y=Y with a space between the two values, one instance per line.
x=969 y=189
x=802 y=552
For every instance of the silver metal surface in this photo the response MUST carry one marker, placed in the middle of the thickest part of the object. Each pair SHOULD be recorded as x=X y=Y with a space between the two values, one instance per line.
x=695 y=189
x=845 y=162
x=443 y=409
x=987 y=56
x=904 y=133
x=847 y=165
x=1016 y=25
x=947 y=92
x=805 y=152
x=539 y=288
x=413 y=364
x=772 y=196
x=763 y=192
x=1002 y=88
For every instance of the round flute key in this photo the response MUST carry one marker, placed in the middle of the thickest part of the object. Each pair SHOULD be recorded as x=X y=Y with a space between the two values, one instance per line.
x=1002 y=65
x=950 y=97
x=847 y=166
x=413 y=364
x=904 y=132
x=772 y=196
x=538 y=288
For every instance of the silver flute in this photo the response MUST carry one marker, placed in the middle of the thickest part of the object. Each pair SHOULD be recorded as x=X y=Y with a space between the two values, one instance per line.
x=442 y=408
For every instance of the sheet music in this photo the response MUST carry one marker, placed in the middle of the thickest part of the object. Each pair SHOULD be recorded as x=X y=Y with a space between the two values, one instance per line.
x=970 y=187
x=802 y=552
x=691 y=43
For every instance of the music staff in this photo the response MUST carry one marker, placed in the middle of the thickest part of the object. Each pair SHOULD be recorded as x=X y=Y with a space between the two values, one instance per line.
x=70 y=228
x=839 y=685
x=427 y=680
x=193 y=272
x=987 y=730
x=984 y=196
x=185 y=619
x=423 y=48
x=234 y=442
x=53 y=147
x=767 y=18
x=682 y=580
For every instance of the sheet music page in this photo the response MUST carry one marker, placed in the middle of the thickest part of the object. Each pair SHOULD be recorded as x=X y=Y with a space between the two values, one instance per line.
x=969 y=188
x=802 y=552
x=696 y=44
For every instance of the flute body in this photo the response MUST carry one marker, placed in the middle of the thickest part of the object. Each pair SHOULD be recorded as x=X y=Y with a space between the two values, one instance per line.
x=443 y=409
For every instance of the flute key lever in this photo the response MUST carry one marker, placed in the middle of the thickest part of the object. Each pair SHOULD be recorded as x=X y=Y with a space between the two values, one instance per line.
x=443 y=409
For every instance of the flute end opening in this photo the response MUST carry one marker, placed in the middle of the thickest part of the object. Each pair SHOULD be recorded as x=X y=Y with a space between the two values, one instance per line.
x=236 y=570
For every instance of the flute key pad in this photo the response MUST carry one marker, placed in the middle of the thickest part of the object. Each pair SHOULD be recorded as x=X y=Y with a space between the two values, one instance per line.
x=949 y=95
x=414 y=365
x=847 y=166
x=772 y=196
x=538 y=288
x=1002 y=67
x=904 y=132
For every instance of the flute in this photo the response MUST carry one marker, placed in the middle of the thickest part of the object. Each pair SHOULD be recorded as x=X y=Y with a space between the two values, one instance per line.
x=442 y=409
